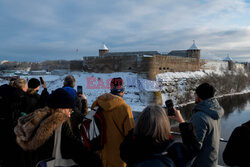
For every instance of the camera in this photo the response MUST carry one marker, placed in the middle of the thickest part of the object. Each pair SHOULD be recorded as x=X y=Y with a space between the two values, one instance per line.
x=170 y=107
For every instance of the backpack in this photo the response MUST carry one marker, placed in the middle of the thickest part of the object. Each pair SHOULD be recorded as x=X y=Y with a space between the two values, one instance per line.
x=92 y=130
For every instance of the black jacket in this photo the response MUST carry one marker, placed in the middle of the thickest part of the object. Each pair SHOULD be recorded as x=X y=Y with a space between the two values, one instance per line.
x=136 y=149
x=35 y=101
x=237 y=149
x=12 y=104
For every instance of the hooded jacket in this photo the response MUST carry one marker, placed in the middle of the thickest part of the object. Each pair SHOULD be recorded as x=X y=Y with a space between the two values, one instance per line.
x=35 y=134
x=206 y=121
x=118 y=120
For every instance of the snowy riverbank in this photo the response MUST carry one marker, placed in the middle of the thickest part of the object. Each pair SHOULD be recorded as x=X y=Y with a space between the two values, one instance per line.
x=173 y=86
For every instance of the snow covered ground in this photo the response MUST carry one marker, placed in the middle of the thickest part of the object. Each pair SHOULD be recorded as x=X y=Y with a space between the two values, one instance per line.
x=172 y=85
x=95 y=84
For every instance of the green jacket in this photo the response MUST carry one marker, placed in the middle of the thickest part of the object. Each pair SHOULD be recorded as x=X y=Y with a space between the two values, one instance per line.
x=206 y=121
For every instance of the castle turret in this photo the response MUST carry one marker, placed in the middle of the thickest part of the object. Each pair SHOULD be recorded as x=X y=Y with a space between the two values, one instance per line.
x=103 y=51
x=194 y=52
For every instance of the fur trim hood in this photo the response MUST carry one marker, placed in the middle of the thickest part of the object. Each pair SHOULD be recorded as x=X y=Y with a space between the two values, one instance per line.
x=34 y=129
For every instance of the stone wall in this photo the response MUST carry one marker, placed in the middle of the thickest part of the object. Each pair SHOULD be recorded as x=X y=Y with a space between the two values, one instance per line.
x=76 y=65
x=147 y=66
x=109 y=64
x=161 y=64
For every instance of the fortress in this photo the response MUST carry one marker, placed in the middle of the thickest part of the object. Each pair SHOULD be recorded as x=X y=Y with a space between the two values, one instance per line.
x=146 y=63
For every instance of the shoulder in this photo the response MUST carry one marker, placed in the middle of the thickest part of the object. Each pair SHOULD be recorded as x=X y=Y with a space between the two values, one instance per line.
x=198 y=116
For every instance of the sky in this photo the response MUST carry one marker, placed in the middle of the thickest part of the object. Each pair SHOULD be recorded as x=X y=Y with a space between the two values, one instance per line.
x=39 y=30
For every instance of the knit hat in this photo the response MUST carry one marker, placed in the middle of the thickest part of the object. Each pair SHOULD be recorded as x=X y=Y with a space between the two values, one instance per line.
x=205 y=91
x=71 y=91
x=60 y=98
x=117 y=85
x=33 y=83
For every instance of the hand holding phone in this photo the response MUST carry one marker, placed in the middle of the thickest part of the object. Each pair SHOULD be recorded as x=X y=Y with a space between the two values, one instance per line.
x=170 y=107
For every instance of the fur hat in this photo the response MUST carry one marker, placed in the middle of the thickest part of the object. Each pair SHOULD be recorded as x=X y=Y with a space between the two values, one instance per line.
x=33 y=83
x=205 y=91
x=60 y=98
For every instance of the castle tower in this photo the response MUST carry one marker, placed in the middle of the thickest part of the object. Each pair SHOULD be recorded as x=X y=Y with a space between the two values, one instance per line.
x=103 y=51
x=194 y=52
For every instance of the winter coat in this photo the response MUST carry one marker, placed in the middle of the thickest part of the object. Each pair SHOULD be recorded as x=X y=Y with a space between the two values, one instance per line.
x=237 y=149
x=140 y=149
x=35 y=101
x=118 y=120
x=206 y=121
x=38 y=142
x=12 y=104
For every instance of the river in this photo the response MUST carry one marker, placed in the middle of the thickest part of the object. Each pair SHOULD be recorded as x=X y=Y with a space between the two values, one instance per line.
x=237 y=111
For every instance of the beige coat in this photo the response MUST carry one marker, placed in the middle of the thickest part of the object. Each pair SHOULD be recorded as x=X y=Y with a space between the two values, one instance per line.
x=118 y=121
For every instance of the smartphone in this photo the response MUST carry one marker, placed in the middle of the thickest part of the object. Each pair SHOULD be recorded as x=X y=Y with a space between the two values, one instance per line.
x=79 y=89
x=41 y=80
x=170 y=107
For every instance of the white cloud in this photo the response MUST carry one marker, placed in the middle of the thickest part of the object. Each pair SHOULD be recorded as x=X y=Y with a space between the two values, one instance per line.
x=125 y=25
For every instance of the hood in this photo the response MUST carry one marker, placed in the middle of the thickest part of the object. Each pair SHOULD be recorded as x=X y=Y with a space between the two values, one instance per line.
x=108 y=101
x=210 y=107
x=34 y=129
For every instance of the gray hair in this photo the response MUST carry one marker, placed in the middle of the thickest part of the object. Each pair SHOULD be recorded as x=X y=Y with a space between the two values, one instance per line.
x=69 y=81
x=153 y=122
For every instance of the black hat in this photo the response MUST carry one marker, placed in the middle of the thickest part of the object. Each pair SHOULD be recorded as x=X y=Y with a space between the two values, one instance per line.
x=205 y=91
x=60 y=98
x=33 y=83
x=117 y=85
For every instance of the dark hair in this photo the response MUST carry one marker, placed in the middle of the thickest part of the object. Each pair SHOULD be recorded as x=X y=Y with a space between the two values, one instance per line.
x=205 y=91
x=117 y=85
x=33 y=83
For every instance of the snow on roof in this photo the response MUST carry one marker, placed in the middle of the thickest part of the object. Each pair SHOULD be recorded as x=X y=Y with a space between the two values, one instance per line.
x=193 y=47
x=105 y=47
x=228 y=58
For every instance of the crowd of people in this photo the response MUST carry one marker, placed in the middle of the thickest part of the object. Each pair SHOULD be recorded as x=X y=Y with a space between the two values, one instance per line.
x=29 y=124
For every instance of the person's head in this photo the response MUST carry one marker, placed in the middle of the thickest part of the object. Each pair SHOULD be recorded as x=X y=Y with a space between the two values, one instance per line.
x=69 y=81
x=21 y=84
x=61 y=100
x=204 y=91
x=34 y=84
x=12 y=80
x=117 y=86
x=153 y=122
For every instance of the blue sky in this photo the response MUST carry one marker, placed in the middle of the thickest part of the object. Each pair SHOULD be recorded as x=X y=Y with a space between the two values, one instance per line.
x=38 y=30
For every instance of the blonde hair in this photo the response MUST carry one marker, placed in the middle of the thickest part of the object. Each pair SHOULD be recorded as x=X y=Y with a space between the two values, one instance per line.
x=19 y=83
x=153 y=122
